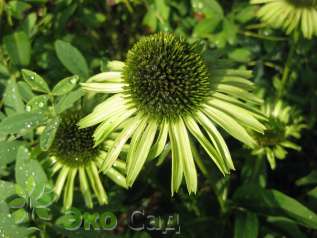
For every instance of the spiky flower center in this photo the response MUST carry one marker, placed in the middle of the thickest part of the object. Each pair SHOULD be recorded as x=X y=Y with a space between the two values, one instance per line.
x=166 y=76
x=304 y=3
x=73 y=146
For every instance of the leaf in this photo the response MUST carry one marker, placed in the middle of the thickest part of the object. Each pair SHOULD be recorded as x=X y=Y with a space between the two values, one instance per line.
x=242 y=55
x=48 y=135
x=17 y=8
x=29 y=24
x=8 y=228
x=71 y=58
x=36 y=82
x=20 y=216
x=68 y=100
x=4 y=72
x=12 y=97
x=65 y=86
x=210 y=8
x=246 y=225
x=8 y=151
x=162 y=9
x=288 y=227
x=18 y=47
x=37 y=103
x=310 y=179
x=25 y=91
x=43 y=213
x=21 y=123
x=26 y=168
x=275 y=203
x=7 y=189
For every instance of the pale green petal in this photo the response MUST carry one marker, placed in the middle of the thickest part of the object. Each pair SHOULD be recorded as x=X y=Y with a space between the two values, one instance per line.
x=137 y=160
x=179 y=131
x=306 y=24
x=108 y=126
x=230 y=125
x=238 y=92
x=137 y=135
x=254 y=111
x=115 y=65
x=69 y=189
x=160 y=143
x=117 y=177
x=107 y=77
x=103 y=111
x=84 y=187
x=96 y=184
x=104 y=87
x=204 y=142
x=60 y=182
x=120 y=142
x=121 y=165
x=166 y=151
x=217 y=139
x=242 y=115
x=177 y=163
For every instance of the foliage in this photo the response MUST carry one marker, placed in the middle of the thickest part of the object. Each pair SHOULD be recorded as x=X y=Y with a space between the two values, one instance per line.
x=49 y=48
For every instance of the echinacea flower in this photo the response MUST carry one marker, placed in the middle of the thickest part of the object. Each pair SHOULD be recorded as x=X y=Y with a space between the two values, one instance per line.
x=290 y=15
x=164 y=93
x=73 y=155
x=283 y=126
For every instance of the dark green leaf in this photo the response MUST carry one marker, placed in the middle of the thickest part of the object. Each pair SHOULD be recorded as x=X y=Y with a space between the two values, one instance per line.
x=48 y=134
x=18 y=47
x=71 y=58
x=246 y=225
x=21 y=123
x=68 y=100
x=29 y=173
x=36 y=82
x=8 y=151
x=275 y=203
x=65 y=86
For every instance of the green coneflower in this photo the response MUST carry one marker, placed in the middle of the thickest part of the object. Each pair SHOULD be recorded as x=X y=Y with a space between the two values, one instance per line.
x=73 y=154
x=283 y=125
x=164 y=93
x=290 y=14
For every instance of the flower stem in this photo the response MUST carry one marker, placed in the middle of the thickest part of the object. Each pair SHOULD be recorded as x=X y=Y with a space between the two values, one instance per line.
x=262 y=37
x=287 y=69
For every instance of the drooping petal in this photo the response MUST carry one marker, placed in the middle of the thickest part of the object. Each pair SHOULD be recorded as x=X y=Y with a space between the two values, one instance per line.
x=216 y=138
x=69 y=188
x=160 y=143
x=230 y=125
x=242 y=115
x=60 y=182
x=204 y=142
x=117 y=177
x=182 y=145
x=96 y=184
x=140 y=149
x=120 y=142
x=84 y=187
x=177 y=163
x=103 y=110
x=108 y=126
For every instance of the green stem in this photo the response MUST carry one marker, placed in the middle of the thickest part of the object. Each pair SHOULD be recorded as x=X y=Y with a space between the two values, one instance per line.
x=287 y=70
x=257 y=168
x=262 y=37
x=204 y=171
